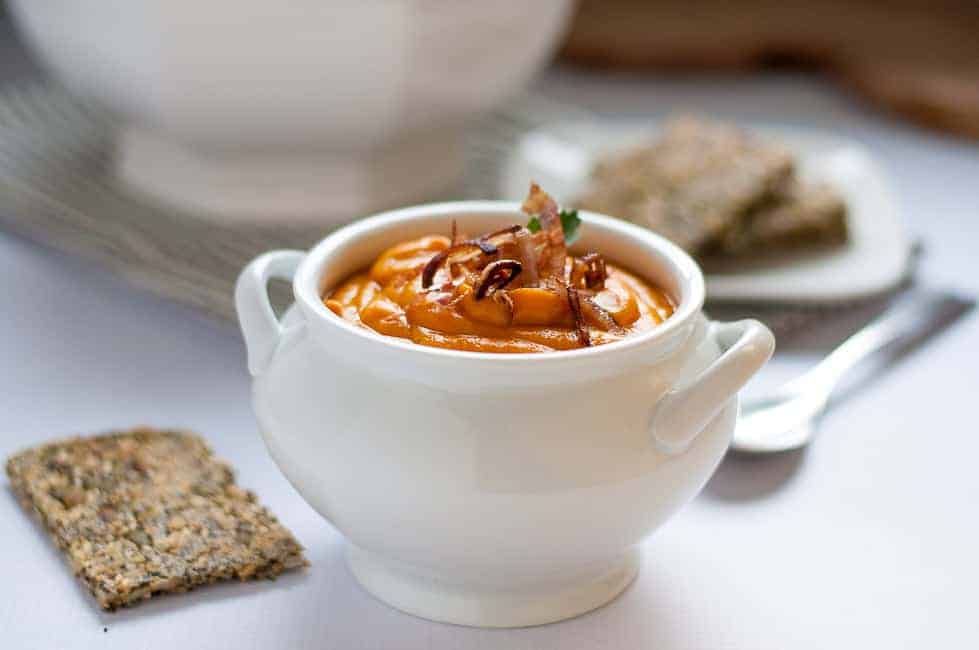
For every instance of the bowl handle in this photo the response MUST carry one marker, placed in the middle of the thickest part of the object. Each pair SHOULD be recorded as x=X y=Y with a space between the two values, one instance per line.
x=686 y=410
x=259 y=326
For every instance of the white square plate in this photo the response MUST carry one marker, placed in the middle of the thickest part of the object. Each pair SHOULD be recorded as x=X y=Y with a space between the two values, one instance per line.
x=876 y=258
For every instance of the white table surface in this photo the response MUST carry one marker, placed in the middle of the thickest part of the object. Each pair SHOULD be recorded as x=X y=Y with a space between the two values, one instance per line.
x=870 y=538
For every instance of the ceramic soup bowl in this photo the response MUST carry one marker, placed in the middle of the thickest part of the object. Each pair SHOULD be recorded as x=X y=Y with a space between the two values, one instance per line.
x=492 y=489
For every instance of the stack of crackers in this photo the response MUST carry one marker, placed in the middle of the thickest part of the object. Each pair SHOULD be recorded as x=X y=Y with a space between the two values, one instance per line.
x=716 y=191
x=146 y=511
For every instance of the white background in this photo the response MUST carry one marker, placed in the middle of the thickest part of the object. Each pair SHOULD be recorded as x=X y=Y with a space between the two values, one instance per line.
x=867 y=539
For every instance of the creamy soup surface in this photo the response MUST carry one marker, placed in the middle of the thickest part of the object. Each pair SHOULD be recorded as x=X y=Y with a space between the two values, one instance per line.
x=513 y=290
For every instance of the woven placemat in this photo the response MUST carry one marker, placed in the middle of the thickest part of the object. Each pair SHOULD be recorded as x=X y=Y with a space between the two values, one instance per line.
x=56 y=189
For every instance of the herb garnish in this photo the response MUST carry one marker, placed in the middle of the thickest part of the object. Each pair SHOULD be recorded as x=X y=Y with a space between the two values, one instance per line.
x=569 y=224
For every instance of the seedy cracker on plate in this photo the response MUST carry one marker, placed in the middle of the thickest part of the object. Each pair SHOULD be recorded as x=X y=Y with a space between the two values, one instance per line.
x=800 y=216
x=147 y=511
x=697 y=182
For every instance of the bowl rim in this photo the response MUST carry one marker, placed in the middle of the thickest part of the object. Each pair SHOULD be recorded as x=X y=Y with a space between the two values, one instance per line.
x=680 y=266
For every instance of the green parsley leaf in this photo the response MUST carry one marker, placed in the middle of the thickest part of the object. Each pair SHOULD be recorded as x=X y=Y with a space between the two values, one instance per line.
x=569 y=224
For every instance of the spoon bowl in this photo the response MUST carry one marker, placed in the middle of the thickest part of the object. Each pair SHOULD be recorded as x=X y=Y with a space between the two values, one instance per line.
x=786 y=419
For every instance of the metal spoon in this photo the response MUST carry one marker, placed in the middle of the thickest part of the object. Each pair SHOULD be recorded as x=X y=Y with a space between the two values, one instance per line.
x=786 y=418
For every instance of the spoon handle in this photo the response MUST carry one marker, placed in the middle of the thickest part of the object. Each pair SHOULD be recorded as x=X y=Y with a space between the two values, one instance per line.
x=912 y=318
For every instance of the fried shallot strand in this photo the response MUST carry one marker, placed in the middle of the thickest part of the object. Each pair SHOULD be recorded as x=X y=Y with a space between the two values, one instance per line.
x=596 y=272
x=595 y=312
x=526 y=254
x=540 y=204
x=484 y=243
x=574 y=302
x=496 y=276
x=503 y=298
x=440 y=258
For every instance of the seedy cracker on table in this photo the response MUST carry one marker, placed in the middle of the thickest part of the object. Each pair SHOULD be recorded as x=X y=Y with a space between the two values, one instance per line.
x=148 y=511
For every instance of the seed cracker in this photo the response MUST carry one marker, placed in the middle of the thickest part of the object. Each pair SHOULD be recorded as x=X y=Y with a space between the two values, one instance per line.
x=697 y=182
x=801 y=216
x=145 y=512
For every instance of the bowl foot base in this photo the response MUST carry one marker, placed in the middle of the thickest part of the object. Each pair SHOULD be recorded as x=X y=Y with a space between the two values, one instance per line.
x=425 y=595
x=286 y=187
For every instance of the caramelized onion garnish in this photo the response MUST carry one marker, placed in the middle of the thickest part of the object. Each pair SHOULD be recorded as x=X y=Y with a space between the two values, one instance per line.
x=434 y=264
x=594 y=311
x=574 y=302
x=495 y=276
x=527 y=255
x=509 y=230
x=483 y=243
x=503 y=298
x=595 y=271
x=541 y=204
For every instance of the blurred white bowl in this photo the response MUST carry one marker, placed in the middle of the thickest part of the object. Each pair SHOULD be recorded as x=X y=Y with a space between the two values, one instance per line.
x=307 y=110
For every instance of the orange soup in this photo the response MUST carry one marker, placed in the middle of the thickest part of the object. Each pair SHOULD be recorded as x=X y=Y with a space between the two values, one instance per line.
x=513 y=290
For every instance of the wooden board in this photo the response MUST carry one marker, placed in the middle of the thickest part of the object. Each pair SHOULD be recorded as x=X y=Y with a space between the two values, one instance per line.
x=918 y=59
